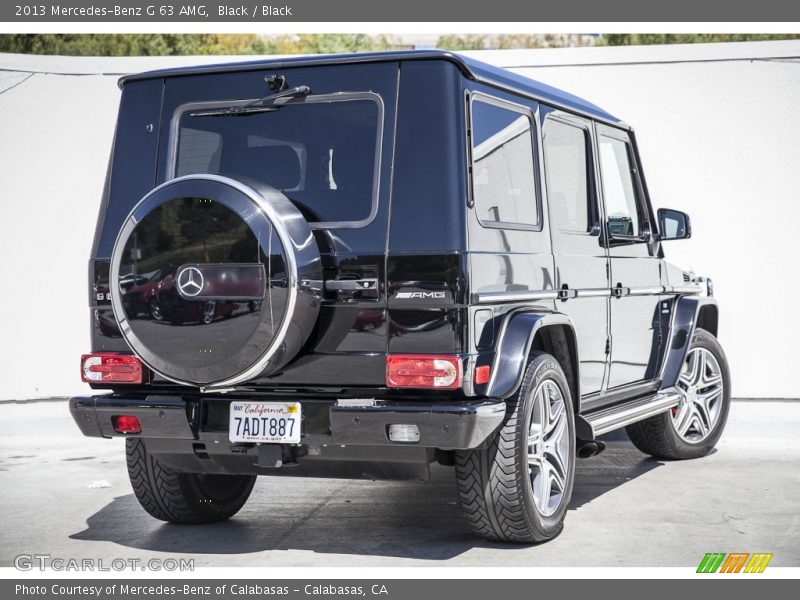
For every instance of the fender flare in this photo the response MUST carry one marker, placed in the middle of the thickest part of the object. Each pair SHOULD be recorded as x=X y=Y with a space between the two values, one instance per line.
x=684 y=321
x=514 y=345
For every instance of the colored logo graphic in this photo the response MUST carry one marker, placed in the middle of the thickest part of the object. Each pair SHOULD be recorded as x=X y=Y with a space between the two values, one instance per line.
x=734 y=562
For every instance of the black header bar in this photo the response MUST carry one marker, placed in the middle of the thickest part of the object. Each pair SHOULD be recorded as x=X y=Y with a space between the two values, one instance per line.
x=361 y=11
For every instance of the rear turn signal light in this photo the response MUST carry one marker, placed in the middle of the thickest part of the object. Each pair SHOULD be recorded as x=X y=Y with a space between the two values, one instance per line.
x=426 y=371
x=126 y=424
x=483 y=374
x=108 y=367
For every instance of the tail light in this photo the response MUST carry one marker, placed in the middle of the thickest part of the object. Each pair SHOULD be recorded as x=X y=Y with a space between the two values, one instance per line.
x=428 y=371
x=109 y=367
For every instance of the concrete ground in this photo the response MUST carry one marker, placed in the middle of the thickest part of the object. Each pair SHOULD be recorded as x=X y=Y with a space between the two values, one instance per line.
x=69 y=496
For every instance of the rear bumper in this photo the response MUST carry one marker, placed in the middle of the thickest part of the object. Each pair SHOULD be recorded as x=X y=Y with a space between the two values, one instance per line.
x=449 y=426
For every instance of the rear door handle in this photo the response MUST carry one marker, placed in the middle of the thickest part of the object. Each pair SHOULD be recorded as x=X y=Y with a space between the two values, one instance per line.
x=351 y=285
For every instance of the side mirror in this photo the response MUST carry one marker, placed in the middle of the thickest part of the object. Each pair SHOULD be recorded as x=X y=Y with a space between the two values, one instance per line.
x=674 y=224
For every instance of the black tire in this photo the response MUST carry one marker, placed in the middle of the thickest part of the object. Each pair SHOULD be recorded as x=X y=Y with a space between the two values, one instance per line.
x=183 y=497
x=494 y=482
x=209 y=312
x=155 y=310
x=658 y=436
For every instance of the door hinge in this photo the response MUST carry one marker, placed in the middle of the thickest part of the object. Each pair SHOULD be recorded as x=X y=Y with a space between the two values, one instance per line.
x=608 y=346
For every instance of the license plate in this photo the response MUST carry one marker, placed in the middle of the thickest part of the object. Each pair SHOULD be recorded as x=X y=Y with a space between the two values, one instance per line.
x=276 y=422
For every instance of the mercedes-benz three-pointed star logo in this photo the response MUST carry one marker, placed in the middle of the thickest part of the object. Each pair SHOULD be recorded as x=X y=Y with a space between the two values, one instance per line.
x=190 y=282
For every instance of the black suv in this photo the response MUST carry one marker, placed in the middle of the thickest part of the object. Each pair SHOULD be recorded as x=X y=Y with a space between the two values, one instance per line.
x=357 y=266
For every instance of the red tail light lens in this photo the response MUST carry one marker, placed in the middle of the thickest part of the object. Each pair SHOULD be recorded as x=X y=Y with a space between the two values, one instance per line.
x=126 y=424
x=483 y=374
x=108 y=367
x=426 y=371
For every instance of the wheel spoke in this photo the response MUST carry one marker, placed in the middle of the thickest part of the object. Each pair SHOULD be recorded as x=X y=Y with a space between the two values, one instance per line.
x=689 y=376
x=701 y=369
x=557 y=414
x=711 y=381
x=700 y=425
x=535 y=462
x=543 y=399
x=683 y=420
x=702 y=414
x=557 y=467
x=557 y=432
x=546 y=487
x=557 y=478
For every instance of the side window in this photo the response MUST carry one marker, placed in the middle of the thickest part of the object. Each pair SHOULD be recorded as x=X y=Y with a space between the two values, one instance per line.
x=503 y=180
x=619 y=192
x=567 y=177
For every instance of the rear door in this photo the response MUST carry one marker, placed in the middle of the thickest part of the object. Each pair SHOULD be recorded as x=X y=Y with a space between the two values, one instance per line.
x=581 y=262
x=330 y=153
x=635 y=267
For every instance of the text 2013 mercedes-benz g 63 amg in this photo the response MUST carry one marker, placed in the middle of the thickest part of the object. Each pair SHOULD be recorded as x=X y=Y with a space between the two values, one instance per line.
x=357 y=266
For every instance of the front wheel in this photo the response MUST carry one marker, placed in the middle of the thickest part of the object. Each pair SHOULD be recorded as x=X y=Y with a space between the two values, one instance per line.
x=517 y=488
x=693 y=428
x=183 y=497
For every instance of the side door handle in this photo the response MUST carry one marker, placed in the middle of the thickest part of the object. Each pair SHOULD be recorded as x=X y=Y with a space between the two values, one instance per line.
x=619 y=291
x=566 y=293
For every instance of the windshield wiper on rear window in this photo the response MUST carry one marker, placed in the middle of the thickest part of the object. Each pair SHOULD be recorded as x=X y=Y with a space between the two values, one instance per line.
x=268 y=103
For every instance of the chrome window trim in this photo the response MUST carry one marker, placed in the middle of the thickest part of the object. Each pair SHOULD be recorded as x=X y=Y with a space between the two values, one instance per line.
x=172 y=152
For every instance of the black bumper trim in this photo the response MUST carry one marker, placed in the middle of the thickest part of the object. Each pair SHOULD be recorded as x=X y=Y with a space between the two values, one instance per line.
x=452 y=426
x=160 y=416
x=456 y=426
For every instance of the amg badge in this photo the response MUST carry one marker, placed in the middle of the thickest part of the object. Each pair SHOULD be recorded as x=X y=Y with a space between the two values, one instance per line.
x=420 y=295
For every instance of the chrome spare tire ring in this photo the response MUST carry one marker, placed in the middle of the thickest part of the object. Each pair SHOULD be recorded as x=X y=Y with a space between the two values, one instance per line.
x=263 y=211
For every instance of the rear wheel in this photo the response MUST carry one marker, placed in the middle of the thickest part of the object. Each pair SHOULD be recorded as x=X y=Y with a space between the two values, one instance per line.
x=183 y=497
x=693 y=428
x=517 y=488
x=155 y=310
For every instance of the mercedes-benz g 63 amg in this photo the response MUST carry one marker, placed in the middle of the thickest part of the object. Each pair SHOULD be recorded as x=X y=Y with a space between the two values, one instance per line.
x=357 y=266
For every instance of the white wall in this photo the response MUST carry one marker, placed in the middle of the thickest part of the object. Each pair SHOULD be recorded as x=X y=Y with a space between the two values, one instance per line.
x=718 y=128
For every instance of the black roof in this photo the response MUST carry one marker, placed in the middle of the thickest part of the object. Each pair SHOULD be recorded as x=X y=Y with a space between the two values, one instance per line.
x=471 y=68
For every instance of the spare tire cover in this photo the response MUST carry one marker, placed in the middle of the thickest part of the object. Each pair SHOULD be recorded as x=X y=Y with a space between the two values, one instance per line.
x=215 y=281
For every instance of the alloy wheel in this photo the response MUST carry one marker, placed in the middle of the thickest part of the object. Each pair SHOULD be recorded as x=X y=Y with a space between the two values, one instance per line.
x=701 y=387
x=548 y=447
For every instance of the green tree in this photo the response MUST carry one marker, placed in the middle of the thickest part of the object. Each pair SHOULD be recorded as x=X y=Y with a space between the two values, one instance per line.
x=635 y=39
x=189 y=44
x=463 y=42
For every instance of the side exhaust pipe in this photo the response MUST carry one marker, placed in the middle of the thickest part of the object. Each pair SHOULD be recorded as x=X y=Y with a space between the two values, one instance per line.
x=589 y=449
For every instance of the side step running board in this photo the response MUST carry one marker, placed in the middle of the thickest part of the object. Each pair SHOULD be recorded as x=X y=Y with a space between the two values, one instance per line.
x=613 y=417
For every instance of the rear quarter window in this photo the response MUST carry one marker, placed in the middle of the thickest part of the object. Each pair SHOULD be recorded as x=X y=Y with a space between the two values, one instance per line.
x=503 y=165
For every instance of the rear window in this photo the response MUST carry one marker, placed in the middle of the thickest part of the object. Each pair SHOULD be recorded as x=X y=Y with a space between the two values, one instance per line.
x=322 y=152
